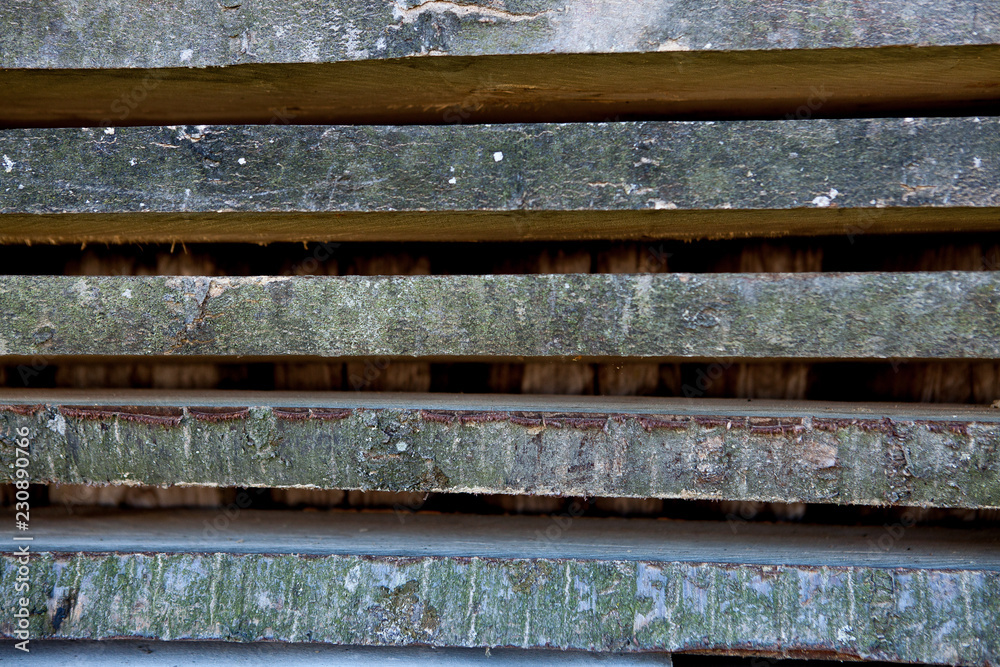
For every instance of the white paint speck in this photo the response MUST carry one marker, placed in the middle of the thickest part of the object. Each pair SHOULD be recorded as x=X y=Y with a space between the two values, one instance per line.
x=709 y=45
x=976 y=162
x=57 y=424
x=671 y=45
x=907 y=120
x=109 y=130
x=242 y=160
x=8 y=164
x=453 y=180
x=186 y=55
x=133 y=162
x=497 y=156
x=823 y=201
x=660 y=204
x=401 y=446
x=127 y=294
x=844 y=634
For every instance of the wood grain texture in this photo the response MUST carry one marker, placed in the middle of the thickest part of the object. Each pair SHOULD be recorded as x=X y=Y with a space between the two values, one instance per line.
x=943 y=456
x=706 y=85
x=599 y=584
x=244 y=531
x=131 y=653
x=547 y=181
x=90 y=63
x=944 y=315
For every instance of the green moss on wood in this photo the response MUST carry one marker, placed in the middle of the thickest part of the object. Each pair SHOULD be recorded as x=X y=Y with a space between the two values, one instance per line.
x=932 y=616
x=946 y=315
x=799 y=458
x=847 y=164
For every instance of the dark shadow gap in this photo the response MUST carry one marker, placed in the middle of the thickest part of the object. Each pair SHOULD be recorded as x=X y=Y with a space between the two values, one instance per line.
x=955 y=251
x=901 y=380
x=404 y=504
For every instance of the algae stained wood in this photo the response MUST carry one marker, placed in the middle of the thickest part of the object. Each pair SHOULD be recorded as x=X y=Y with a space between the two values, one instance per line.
x=942 y=315
x=943 y=456
x=594 y=584
x=442 y=62
x=62 y=35
x=493 y=182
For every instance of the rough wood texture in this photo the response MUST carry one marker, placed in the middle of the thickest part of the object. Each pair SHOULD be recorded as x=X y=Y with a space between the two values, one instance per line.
x=608 y=180
x=945 y=456
x=946 y=315
x=929 y=596
x=203 y=33
x=706 y=85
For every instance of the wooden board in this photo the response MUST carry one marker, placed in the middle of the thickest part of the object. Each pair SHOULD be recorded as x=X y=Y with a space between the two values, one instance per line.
x=352 y=61
x=83 y=653
x=943 y=456
x=595 y=584
x=944 y=315
x=776 y=84
x=202 y=33
x=548 y=181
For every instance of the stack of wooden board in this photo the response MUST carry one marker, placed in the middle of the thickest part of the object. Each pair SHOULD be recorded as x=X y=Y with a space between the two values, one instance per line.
x=273 y=122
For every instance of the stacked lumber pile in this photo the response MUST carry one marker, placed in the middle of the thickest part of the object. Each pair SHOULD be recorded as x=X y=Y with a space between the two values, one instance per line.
x=517 y=330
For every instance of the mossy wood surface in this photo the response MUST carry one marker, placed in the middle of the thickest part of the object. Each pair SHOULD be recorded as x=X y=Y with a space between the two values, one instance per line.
x=205 y=33
x=88 y=63
x=784 y=452
x=595 y=584
x=943 y=315
x=528 y=181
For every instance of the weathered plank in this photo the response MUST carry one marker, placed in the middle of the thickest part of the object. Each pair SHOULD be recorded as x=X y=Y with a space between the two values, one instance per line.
x=929 y=596
x=943 y=456
x=83 y=653
x=202 y=33
x=355 y=62
x=548 y=181
x=944 y=315
x=352 y=61
x=790 y=83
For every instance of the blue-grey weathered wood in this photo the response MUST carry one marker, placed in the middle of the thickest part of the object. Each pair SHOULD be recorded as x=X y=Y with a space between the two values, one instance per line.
x=898 y=593
x=205 y=33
